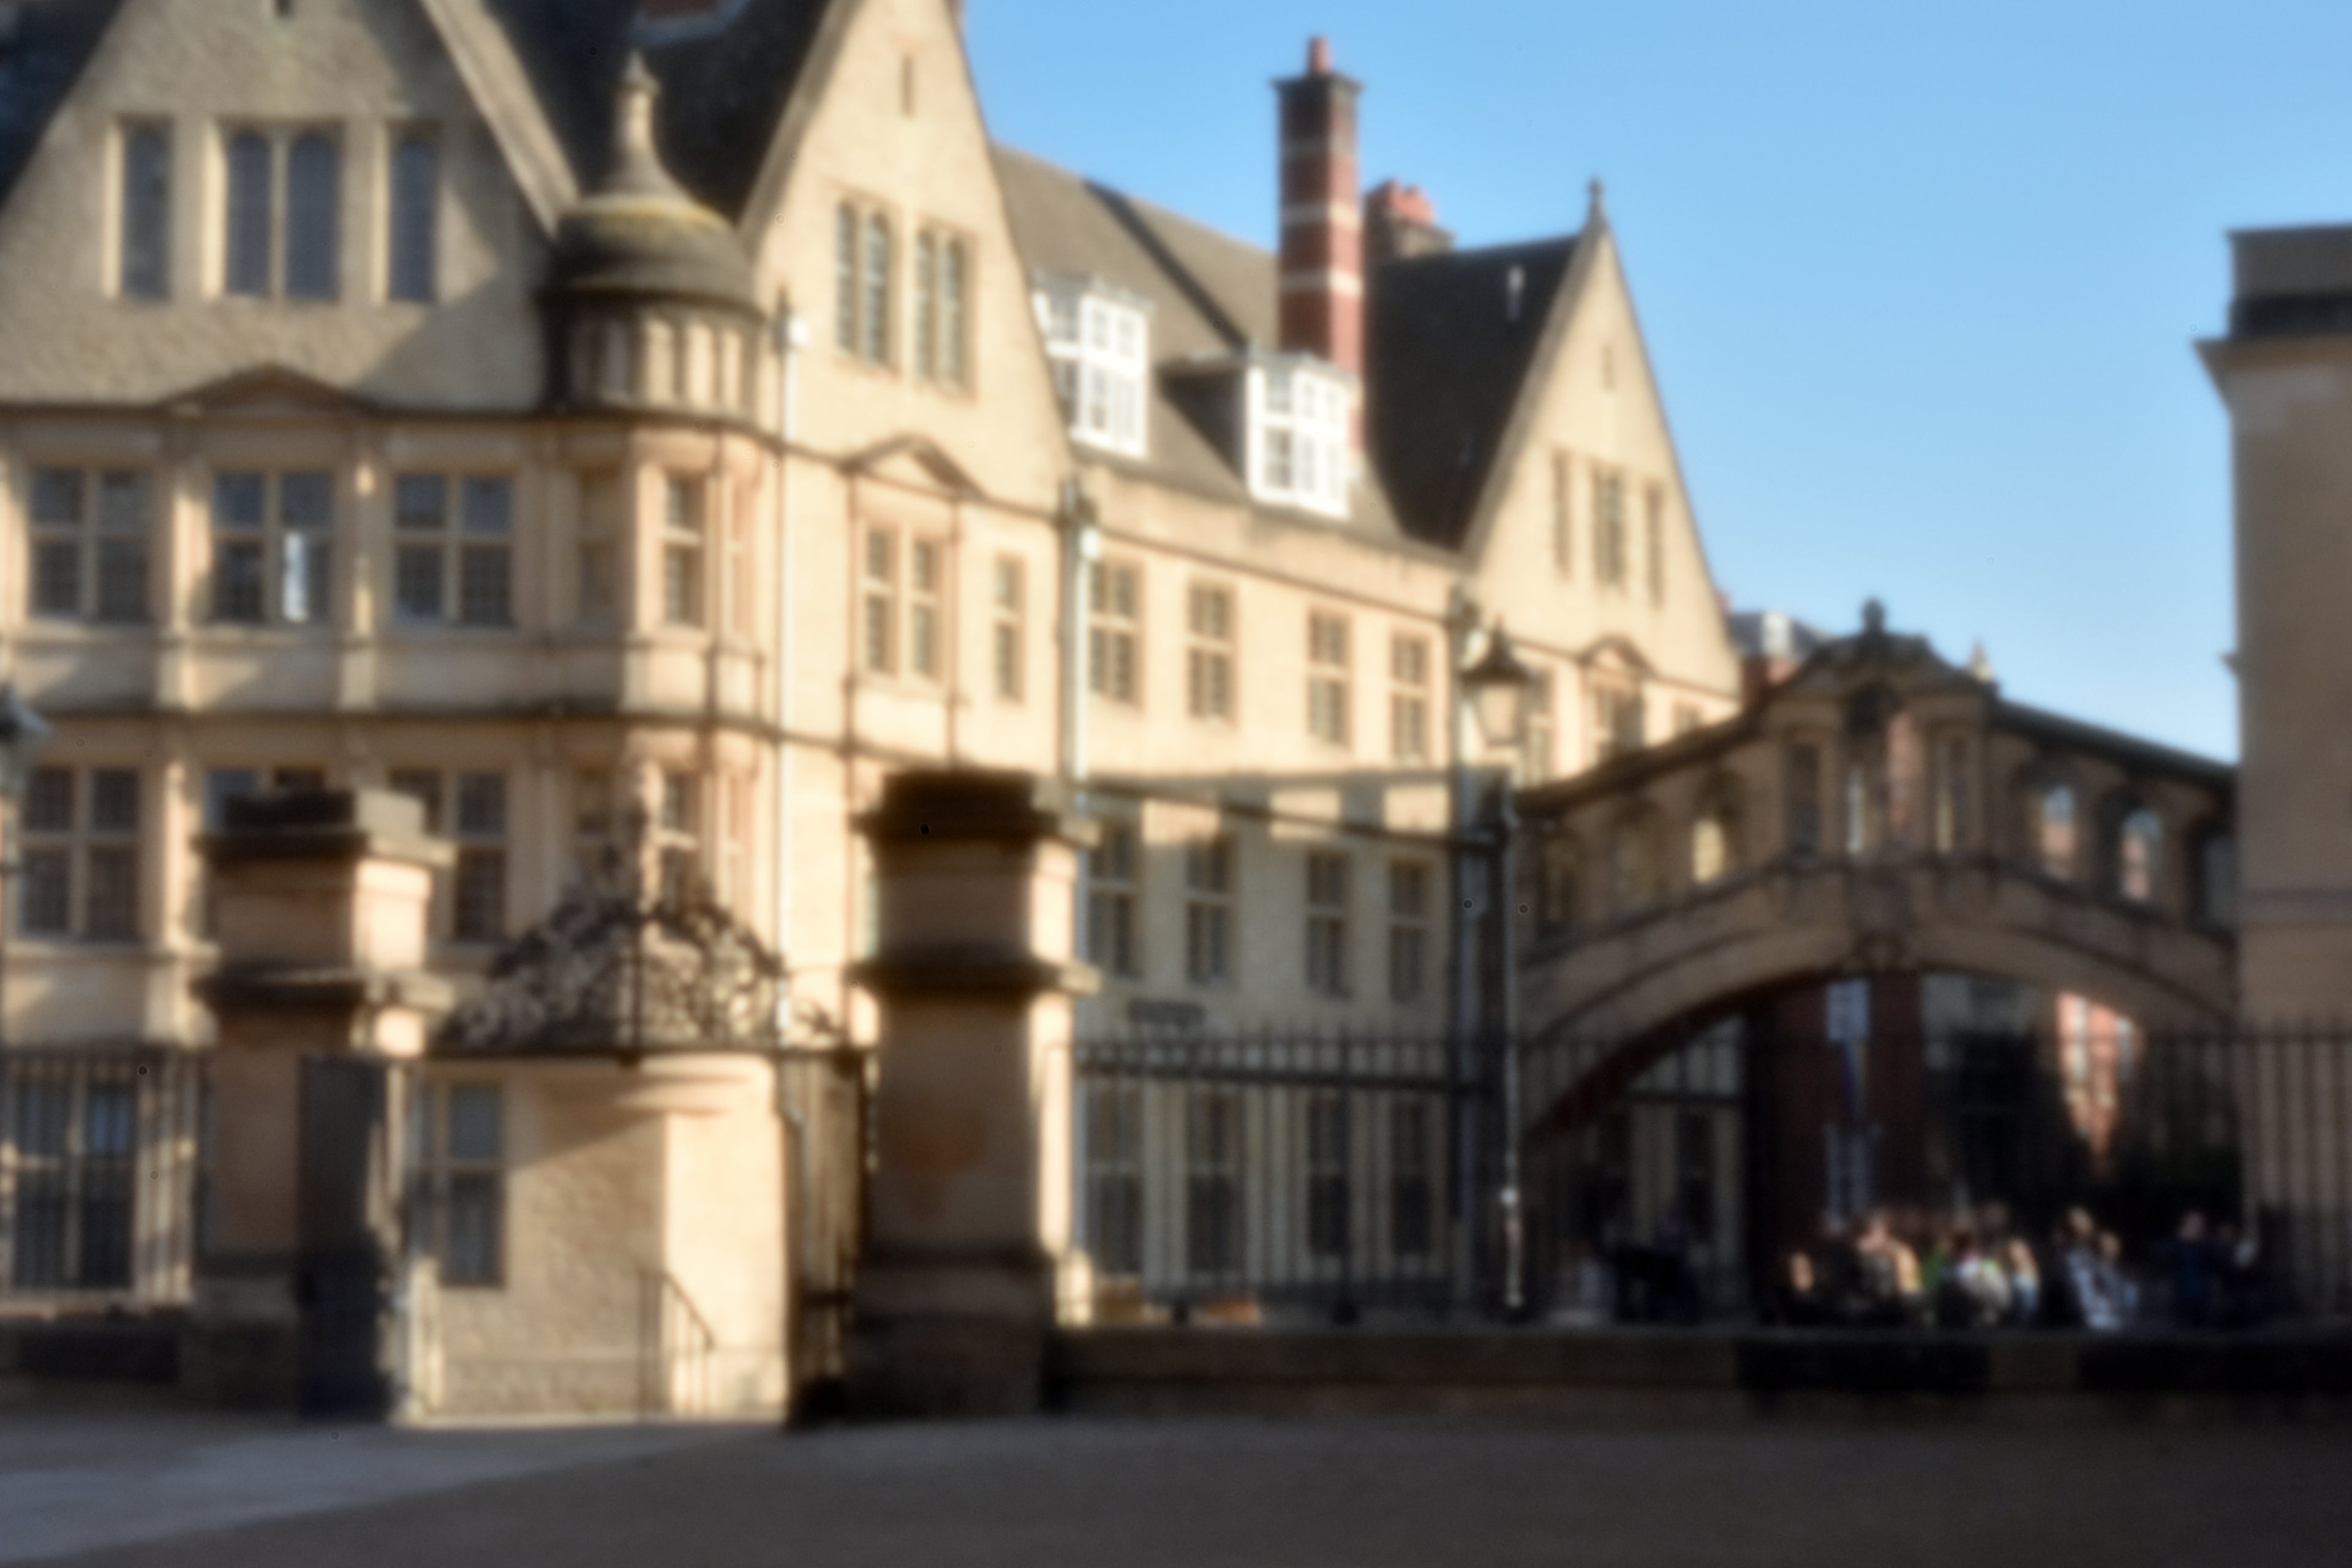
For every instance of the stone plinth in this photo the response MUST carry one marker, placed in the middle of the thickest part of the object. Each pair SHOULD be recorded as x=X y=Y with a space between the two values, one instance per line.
x=319 y=901
x=969 y=1213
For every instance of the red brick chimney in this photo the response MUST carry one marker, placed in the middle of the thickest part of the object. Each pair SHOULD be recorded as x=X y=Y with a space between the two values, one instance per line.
x=1322 y=228
x=1400 y=223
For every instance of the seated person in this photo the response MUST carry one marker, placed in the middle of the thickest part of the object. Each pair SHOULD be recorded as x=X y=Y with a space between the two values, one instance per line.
x=1800 y=1302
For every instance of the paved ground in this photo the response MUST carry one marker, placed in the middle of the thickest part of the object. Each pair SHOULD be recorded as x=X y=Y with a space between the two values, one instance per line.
x=1196 y=1494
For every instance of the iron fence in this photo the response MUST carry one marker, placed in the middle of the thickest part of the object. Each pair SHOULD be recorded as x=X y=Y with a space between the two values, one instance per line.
x=100 y=1175
x=1270 y=1175
x=827 y=1098
x=1676 y=1178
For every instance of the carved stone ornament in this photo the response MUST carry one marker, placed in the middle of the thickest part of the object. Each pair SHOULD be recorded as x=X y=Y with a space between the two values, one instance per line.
x=616 y=969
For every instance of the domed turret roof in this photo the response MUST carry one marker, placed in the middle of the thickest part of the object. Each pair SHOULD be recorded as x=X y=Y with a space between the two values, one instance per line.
x=639 y=233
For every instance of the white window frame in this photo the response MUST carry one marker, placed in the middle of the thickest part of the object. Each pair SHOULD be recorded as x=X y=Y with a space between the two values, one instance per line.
x=1099 y=349
x=1298 y=448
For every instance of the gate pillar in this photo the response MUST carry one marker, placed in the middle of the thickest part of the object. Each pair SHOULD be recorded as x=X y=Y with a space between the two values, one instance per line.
x=320 y=904
x=969 y=1238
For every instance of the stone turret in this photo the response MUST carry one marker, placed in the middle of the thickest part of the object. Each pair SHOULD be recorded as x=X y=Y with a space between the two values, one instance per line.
x=650 y=299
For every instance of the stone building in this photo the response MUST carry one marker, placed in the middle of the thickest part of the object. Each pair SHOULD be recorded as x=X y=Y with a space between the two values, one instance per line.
x=558 y=411
x=2282 y=371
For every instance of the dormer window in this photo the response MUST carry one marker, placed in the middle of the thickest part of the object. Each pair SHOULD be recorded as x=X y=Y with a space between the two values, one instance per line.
x=1298 y=437
x=1098 y=343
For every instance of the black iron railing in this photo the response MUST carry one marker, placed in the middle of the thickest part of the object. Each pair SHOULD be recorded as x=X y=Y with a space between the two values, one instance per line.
x=98 y=1174
x=2108 y=1176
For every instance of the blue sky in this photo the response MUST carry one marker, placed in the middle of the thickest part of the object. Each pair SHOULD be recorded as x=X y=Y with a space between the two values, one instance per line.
x=1921 y=282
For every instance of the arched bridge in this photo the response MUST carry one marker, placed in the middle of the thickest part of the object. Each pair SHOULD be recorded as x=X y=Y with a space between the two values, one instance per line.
x=1880 y=810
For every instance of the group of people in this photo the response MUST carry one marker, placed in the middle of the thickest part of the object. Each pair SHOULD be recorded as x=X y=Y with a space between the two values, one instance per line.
x=1977 y=1272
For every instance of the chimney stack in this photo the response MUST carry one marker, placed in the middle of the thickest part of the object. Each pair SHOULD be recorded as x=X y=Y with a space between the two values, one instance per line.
x=1322 y=232
x=1401 y=223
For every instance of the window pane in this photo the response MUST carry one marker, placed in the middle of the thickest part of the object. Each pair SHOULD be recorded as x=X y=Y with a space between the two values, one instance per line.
x=489 y=506
x=46 y=896
x=313 y=182
x=306 y=499
x=475 y=1118
x=146 y=213
x=844 y=278
x=49 y=801
x=484 y=586
x=240 y=502
x=953 y=367
x=417 y=582
x=420 y=502
x=415 y=211
x=479 y=912
x=927 y=306
x=122 y=505
x=305 y=577
x=121 y=580
x=57 y=496
x=247 y=250
x=682 y=586
x=113 y=913
x=472 y=1244
x=878 y=263
x=238 y=581
x=114 y=800
x=57 y=577
x=481 y=806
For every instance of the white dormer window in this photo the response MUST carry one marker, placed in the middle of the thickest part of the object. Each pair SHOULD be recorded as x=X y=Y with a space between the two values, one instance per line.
x=1098 y=345
x=1298 y=436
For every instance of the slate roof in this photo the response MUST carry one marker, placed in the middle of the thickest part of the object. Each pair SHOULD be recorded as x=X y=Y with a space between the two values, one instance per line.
x=1448 y=343
x=723 y=89
x=1445 y=356
x=38 y=66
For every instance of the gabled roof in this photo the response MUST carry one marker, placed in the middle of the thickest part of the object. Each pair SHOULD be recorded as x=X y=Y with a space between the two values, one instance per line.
x=38 y=66
x=1447 y=359
x=724 y=86
x=1450 y=339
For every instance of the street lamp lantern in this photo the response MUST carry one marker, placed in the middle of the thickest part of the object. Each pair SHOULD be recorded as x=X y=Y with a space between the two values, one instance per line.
x=1499 y=685
x=23 y=736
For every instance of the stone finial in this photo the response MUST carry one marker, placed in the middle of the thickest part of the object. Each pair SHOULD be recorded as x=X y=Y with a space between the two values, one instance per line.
x=1596 y=201
x=1874 y=618
x=1981 y=663
x=636 y=162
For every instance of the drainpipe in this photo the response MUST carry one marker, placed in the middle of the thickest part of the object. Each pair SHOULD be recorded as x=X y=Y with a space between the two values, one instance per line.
x=792 y=336
x=1462 y=622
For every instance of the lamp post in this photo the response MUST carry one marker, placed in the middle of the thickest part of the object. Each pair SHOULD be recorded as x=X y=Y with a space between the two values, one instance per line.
x=1496 y=689
x=23 y=736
